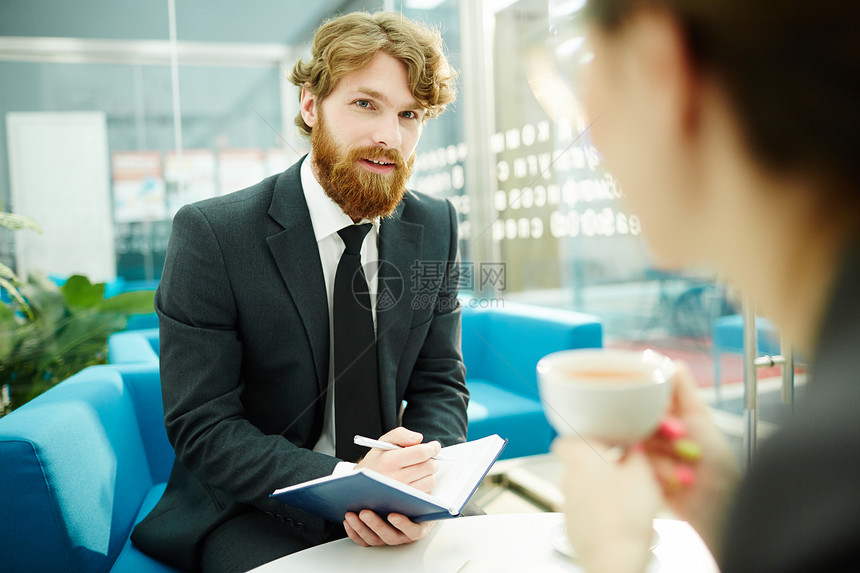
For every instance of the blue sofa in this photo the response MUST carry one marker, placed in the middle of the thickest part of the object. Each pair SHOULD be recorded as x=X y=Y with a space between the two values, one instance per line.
x=134 y=347
x=81 y=464
x=86 y=460
x=501 y=349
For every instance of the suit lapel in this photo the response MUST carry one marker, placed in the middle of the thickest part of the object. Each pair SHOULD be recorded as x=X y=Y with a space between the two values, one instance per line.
x=297 y=256
x=399 y=249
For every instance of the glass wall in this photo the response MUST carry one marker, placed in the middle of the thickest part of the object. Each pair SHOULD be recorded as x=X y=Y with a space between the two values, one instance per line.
x=544 y=222
x=196 y=105
x=560 y=225
x=194 y=99
x=226 y=134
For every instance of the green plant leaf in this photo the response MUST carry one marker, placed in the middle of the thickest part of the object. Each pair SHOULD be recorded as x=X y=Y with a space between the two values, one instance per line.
x=15 y=295
x=7 y=273
x=8 y=325
x=16 y=222
x=133 y=302
x=31 y=340
x=7 y=319
x=48 y=334
x=40 y=280
x=85 y=336
x=80 y=292
x=45 y=300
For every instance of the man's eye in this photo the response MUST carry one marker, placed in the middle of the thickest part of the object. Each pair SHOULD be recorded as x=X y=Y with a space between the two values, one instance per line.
x=409 y=114
x=363 y=103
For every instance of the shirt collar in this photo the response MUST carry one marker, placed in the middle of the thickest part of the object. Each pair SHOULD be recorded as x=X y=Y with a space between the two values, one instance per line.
x=327 y=217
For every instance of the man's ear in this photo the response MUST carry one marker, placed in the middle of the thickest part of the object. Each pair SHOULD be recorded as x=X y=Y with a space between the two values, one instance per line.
x=308 y=106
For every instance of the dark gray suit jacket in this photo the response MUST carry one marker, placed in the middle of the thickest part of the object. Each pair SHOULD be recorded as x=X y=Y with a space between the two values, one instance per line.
x=799 y=508
x=244 y=332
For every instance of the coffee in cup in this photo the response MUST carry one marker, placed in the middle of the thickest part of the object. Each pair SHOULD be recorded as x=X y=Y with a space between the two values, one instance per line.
x=618 y=396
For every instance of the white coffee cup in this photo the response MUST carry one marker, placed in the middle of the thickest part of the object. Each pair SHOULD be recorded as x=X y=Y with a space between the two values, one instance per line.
x=618 y=396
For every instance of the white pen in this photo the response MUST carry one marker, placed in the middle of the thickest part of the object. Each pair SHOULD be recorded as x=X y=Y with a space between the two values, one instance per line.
x=380 y=445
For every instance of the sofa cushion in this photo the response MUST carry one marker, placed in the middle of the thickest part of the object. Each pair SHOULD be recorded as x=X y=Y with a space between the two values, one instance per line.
x=728 y=335
x=131 y=558
x=474 y=345
x=76 y=463
x=143 y=383
x=504 y=345
x=520 y=419
x=133 y=346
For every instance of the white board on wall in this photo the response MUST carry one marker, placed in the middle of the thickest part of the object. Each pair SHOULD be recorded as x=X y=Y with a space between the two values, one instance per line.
x=59 y=175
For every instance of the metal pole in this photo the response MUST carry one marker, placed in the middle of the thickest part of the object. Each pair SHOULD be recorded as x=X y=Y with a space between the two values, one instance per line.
x=750 y=379
x=294 y=145
x=476 y=25
x=787 y=371
x=174 y=88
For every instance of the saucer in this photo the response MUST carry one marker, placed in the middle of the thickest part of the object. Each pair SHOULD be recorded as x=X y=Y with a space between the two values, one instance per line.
x=558 y=539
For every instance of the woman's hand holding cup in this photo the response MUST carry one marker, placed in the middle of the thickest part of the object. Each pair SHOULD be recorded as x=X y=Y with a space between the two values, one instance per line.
x=602 y=402
x=693 y=462
x=673 y=456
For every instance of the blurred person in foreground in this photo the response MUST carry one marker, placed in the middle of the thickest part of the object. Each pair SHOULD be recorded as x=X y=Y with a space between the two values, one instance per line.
x=734 y=129
x=255 y=395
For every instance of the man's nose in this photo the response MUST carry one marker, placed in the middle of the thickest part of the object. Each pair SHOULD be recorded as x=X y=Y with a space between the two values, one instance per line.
x=387 y=132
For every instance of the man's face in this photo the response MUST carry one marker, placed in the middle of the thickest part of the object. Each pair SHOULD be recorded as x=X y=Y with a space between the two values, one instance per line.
x=364 y=135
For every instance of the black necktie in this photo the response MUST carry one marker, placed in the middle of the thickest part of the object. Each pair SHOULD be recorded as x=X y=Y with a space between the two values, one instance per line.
x=356 y=409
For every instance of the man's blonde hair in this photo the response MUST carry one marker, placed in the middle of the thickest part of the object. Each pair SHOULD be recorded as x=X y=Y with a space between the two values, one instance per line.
x=348 y=43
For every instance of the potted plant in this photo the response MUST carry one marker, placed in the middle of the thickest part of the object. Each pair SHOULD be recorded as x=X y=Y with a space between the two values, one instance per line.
x=49 y=332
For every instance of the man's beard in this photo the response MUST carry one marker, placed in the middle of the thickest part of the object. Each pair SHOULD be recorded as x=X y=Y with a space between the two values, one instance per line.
x=359 y=192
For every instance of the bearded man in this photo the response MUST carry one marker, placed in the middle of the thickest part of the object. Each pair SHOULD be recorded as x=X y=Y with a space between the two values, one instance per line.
x=268 y=369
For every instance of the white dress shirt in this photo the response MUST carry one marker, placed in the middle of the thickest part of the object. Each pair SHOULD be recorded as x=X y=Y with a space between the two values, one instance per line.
x=327 y=219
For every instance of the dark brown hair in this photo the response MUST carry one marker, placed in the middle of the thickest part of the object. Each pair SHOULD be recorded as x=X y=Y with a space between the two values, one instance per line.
x=791 y=69
x=348 y=43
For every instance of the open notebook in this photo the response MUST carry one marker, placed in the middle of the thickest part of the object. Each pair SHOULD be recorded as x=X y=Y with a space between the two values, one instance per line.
x=458 y=477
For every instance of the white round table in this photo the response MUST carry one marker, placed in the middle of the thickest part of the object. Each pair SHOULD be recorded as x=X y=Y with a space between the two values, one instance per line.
x=517 y=542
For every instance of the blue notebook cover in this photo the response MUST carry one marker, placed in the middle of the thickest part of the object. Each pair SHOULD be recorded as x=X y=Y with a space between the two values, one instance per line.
x=331 y=497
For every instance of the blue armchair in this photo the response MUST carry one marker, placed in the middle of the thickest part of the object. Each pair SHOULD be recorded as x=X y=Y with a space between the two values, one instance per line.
x=501 y=349
x=81 y=464
x=134 y=346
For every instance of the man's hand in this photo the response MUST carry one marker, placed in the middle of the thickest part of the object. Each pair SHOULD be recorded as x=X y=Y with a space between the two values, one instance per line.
x=413 y=465
x=368 y=529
